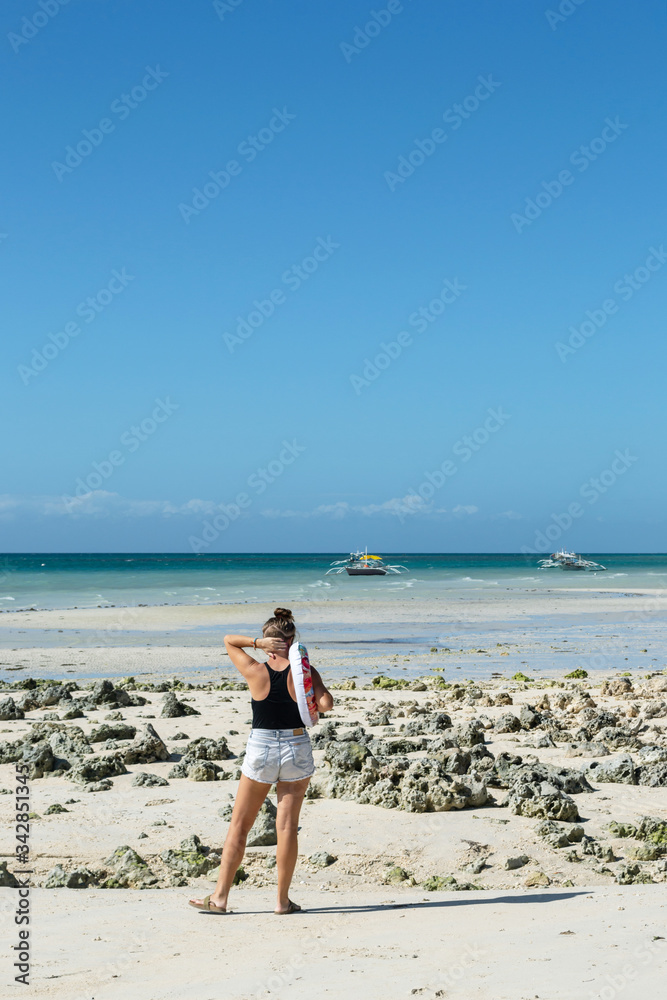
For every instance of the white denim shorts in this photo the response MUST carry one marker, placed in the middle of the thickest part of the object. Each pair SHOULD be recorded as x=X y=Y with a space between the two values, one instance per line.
x=278 y=755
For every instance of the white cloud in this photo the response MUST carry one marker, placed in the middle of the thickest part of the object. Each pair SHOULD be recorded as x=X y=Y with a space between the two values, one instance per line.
x=100 y=503
x=104 y=504
x=396 y=506
x=407 y=506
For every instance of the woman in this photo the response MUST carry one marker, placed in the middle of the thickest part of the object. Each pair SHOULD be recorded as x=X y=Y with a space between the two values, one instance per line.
x=278 y=751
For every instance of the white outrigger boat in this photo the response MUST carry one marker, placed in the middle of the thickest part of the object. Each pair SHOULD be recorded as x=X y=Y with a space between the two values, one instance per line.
x=569 y=560
x=362 y=564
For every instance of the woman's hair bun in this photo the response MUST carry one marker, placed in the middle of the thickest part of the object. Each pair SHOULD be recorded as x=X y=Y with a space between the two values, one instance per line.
x=282 y=624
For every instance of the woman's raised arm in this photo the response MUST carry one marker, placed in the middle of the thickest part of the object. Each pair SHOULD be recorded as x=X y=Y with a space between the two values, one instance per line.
x=234 y=644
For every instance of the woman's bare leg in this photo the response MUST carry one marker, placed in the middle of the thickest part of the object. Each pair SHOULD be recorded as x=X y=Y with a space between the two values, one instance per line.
x=290 y=800
x=249 y=798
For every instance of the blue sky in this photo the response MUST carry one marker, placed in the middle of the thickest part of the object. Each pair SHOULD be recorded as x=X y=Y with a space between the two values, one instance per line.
x=465 y=183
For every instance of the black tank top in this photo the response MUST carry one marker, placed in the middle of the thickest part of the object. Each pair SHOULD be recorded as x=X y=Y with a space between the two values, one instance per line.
x=279 y=709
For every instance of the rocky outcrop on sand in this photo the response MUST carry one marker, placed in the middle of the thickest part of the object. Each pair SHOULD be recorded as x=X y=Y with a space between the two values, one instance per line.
x=7 y=879
x=263 y=831
x=553 y=754
x=192 y=858
x=650 y=829
x=322 y=859
x=146 y=748
x=9 y=710
x=541 y=800
x=172 y=708
x=79 y=878
x=650 y=768
x=127 y=871
x=559 y=836
x=145 y=780
x=396 y=782
x=205 y=748
x=454 y=773
x=104 y=694
x=49 y=747
x=198 y=770
x=198 y=760
x=96 y=767
x=112 y=731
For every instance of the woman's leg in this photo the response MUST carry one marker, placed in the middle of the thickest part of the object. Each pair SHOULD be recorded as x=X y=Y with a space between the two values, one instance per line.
x=249 y=798
x=290 y=800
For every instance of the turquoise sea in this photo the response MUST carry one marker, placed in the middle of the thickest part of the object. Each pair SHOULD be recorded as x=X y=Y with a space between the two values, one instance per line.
x=478 y=614
x=98 y=580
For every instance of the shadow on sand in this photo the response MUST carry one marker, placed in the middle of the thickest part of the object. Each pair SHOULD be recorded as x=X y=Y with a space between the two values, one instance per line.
x=474 y=899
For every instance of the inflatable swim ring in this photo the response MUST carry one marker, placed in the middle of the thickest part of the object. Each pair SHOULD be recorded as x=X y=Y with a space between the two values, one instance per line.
x=303 y=684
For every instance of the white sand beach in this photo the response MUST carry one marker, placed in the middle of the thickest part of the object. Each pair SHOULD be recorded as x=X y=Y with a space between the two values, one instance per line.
x=391 y=914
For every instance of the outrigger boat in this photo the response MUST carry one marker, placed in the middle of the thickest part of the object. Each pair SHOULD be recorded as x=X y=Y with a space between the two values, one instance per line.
x=362 y=564
x=569 y=560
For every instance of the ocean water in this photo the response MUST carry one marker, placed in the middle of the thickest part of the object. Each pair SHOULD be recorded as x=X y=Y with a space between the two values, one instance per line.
x=125 y=580
x=496 y=614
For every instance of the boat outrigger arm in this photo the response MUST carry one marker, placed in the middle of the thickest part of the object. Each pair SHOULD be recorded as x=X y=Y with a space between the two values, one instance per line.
x=363 y=564
x=396 y=568
x=569 y=560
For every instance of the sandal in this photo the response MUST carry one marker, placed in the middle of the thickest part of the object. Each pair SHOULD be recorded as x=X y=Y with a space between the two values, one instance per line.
x=207 y=905
x=291 y=908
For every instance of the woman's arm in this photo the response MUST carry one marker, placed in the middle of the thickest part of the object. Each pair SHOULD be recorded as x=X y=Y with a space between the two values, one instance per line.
x=234 y=644
x=323 y=696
